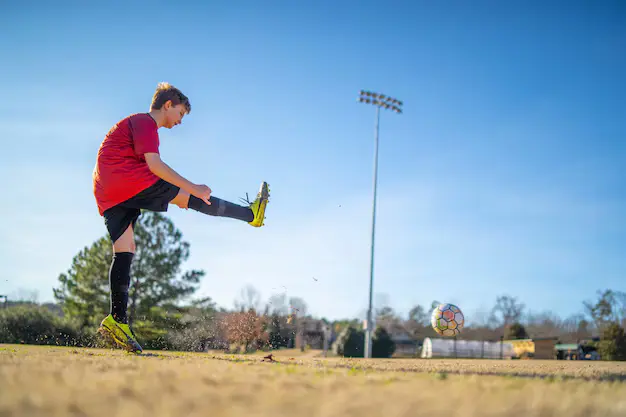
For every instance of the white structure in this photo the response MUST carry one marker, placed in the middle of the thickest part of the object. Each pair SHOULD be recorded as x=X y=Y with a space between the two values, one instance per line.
x=452 y=348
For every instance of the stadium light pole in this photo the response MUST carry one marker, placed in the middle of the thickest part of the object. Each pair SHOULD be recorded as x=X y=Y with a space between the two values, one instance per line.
x=389 y=103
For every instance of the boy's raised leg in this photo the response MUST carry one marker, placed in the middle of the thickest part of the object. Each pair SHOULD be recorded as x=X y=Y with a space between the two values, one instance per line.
x=253 y=212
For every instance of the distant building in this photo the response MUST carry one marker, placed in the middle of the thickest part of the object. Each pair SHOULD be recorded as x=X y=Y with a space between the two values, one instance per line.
x=477 y=349
x=576 y=351
x=536 y=348
x=312 y=332
x=569 y=351
x=406 y=346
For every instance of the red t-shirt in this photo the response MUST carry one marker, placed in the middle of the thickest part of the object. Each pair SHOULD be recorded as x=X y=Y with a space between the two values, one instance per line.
x=121 y=170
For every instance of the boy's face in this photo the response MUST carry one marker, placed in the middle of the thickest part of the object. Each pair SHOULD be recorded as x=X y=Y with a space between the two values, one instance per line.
x=173 y=114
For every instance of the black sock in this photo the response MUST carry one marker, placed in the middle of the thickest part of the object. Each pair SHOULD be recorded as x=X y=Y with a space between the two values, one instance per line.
x=221 y=208
x=119 y=280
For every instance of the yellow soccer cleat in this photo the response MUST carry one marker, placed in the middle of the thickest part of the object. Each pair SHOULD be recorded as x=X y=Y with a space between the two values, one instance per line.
x=120 y=334
x=259 y=204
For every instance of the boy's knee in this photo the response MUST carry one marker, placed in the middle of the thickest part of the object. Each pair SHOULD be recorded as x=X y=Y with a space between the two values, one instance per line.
x=122 y=246
x=126 y=242
x=181 y=200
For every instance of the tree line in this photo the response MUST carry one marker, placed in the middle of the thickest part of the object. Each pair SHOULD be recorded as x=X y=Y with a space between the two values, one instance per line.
x=165 y=315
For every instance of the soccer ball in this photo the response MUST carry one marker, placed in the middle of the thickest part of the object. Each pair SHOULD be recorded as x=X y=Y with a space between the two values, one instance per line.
x=447 y=319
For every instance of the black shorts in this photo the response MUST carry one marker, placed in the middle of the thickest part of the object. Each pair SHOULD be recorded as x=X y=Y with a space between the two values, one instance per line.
x=154 y=198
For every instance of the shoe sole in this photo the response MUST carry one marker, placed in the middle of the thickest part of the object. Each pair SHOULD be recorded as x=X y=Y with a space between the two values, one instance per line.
x=265 y=195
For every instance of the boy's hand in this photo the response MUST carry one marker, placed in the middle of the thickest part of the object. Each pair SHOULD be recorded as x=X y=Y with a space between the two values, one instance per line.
x=203 y=192
x=162 y=170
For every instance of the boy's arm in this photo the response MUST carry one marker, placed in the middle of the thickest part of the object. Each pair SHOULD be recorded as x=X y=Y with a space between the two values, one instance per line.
x=163 y=171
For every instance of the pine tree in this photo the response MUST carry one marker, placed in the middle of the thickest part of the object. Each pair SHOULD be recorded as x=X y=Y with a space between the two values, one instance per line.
x=84 y=289
x=156 y=282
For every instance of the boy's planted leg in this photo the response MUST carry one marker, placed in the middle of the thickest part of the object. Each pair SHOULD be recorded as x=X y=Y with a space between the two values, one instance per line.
x=115 y=327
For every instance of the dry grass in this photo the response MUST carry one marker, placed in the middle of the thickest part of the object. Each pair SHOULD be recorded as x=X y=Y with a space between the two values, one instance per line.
x=44 y=381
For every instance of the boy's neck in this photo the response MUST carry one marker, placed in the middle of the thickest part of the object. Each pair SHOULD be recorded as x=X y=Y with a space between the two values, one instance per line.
x=158 y=117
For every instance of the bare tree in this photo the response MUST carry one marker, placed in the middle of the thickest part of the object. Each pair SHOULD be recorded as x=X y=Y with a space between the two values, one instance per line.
x=576 y=328
x=386 y=317
x=277 y=305
x=418 y=315
x=298 y=306
x=507 y=310
x=545 y=324
x=610 y=308
x=417 y=323
x=385 y=312
x=249 y=299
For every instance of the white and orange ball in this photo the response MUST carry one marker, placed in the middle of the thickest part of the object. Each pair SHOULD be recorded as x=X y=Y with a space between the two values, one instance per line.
x=447 y=319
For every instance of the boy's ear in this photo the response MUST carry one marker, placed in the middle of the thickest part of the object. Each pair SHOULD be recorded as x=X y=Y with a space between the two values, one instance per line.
x=167 y=105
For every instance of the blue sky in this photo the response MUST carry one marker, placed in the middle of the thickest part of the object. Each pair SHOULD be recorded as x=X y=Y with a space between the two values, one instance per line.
x=501 y=177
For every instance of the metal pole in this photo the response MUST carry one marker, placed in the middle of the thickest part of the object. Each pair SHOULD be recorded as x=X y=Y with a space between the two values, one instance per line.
x=368 y=333
x=390 y=103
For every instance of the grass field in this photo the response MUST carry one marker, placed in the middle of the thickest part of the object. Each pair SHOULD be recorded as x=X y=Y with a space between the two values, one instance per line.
x=55 y=381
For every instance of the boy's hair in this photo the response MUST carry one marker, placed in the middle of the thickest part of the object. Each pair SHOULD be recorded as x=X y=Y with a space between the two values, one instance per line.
x=166 y=91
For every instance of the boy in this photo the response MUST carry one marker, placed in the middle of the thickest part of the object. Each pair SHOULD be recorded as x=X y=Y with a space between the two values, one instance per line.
x=129 y=176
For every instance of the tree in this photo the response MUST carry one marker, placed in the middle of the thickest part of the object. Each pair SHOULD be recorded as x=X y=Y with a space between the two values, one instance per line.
x=417 y=323
x=84 y=288
x=277 y=305
x=35 y=324
x=297 y=305
x=156 y=282
x=507 y=310
x=419 y=315
x=610 y=308
x=583 y=331
x=198 y=329
x=575 y=328
x=278 y=333
x=340 y=325
x=350 y=343
x=249 y=299
x=245 y=329
x=281 y=333
x=156 y=268
x=516 y=331
x=613 y=344
x=382 y=344
x=386 y=317
x=545 y=324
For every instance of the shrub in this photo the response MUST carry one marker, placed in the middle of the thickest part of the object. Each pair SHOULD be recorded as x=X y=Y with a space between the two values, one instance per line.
x=382 y=345
x=612 y=347
x=36 y=325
